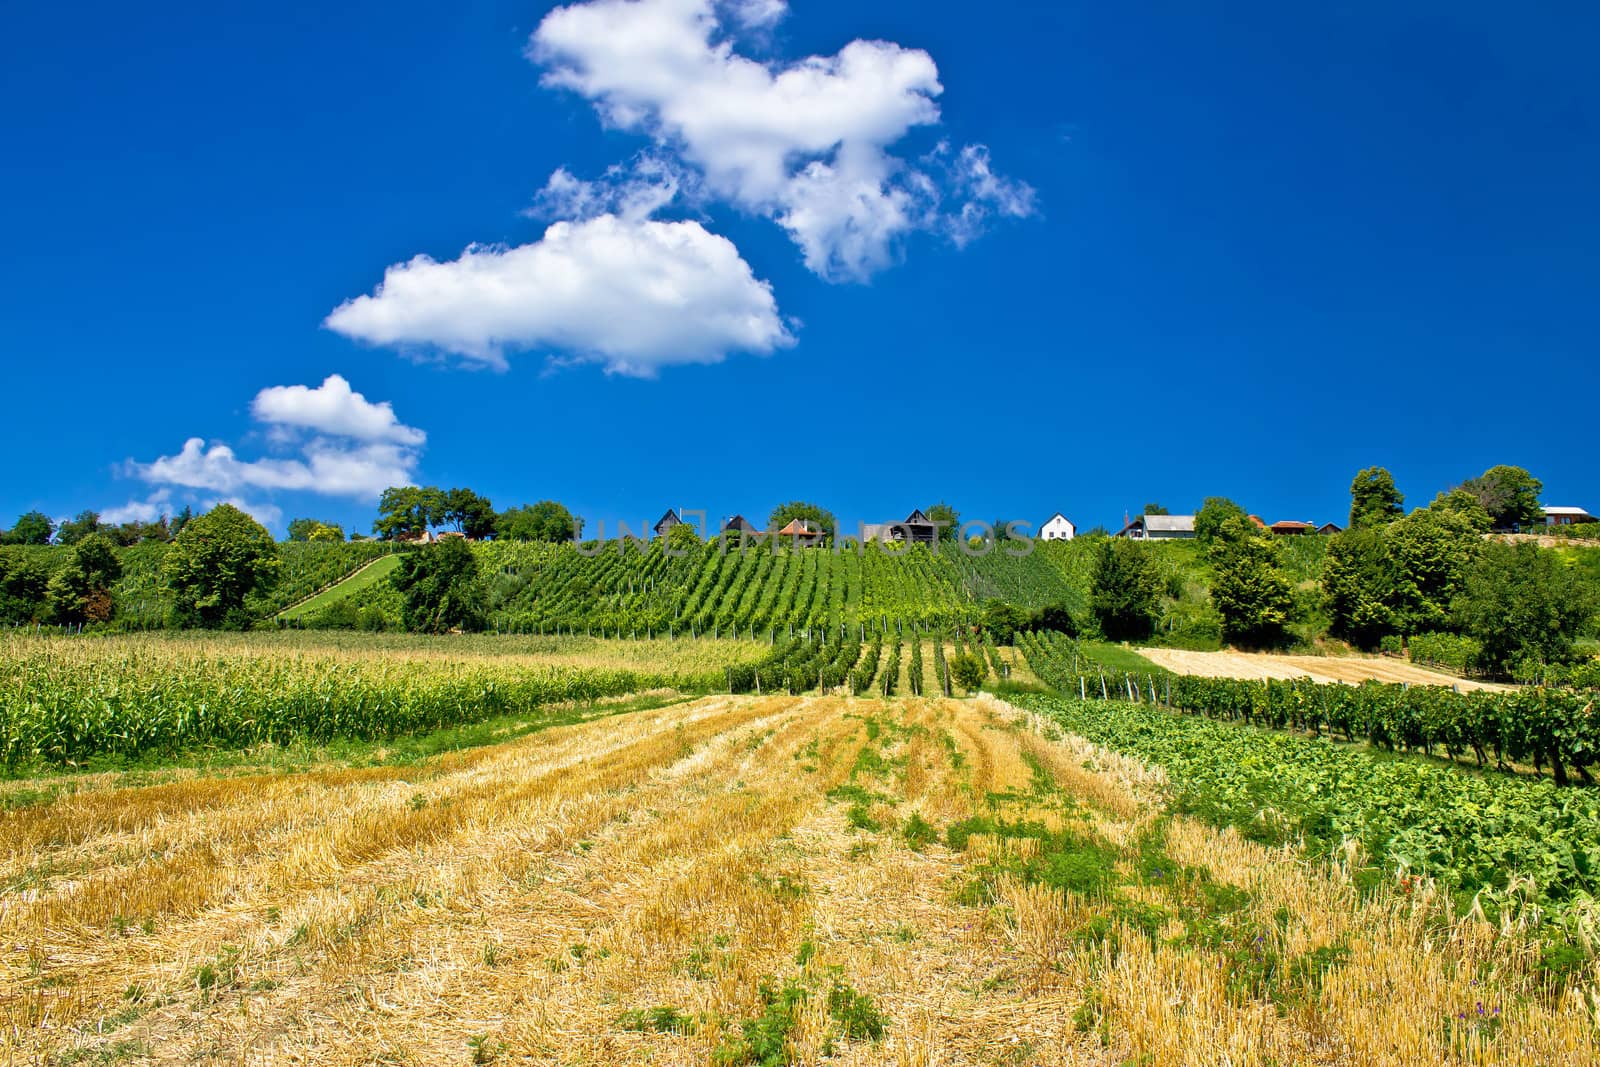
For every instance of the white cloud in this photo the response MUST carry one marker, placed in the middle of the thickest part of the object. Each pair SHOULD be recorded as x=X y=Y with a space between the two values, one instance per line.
x=356 y=449
x=633 y=193
x=333 y=408
x=149 y=509
x=332 y=468
x=632 y=294
x=804 y=143
x=758 y=14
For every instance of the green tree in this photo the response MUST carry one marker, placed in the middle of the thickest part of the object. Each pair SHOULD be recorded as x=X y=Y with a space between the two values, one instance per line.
x=1431 y=553
x=315 y=530
x=469 y=513
x=217 y=560
x=81 y=591
x=967 y=671
x=32 y=528
x=1360 y=586
x=1127 y=589
x=1509 y=494
x=408 y=510
x=179 y=521
x=1002 y=621
x=1374 y=500
x=1154 y=509
x=74 y=530
x=23 y=583
x=546 y=521
x=1523 y=602
x=1249 y=592
x=784 y=514
x=1213 y=515
x=942 y=512
x=1468 y=507
x=441 y=589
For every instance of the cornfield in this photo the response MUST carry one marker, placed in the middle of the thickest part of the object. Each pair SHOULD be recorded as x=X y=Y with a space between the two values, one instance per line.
x=65 y=700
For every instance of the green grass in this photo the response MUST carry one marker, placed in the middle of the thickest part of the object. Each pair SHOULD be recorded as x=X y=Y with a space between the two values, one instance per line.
x=1117 y=658
x=372 y=575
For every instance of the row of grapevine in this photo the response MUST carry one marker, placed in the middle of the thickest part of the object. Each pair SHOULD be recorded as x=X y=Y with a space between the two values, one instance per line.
x=1534 y=725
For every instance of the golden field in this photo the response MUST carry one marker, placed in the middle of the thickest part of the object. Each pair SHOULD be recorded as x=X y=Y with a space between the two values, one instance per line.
x=901 y=881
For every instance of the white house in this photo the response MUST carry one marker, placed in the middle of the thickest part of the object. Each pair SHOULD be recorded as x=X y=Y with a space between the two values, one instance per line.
x=1567 y=516
x=1058 y=528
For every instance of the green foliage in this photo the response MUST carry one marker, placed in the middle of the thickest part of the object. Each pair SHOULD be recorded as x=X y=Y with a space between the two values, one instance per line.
x=1002 y=620
x=784 y=514
x=1401 y=578
x=1214 y=514
x=1446 y=650
x=469 y=513
x=1127 y=590
x=408 y=510
x=1374 y=499
x=1510 y=495
x=74 y=530
x=24 y=579
x=546 y=521
x=1542 y=727
x=1522 y=602
x=1465 y=506
x=1474 y=833
x=1154 y=509
x=315 y=530
x=81 y=591
x=1432 y=551
x=62 y=702
x=214 y=563
x=682 y=537
x=1249 y=593
x=441 y=589
x=31 y=528
x=968 y=671
x=950 y=517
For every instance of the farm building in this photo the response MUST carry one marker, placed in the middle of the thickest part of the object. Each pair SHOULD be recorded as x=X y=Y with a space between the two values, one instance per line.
x=1159 y=528
x=667 y=522
x=1330 y=528
x=916 y=528
x=1058 y=528
x=740 y=525
x=1563 y=516
x=414 y=537
x=1291 y=527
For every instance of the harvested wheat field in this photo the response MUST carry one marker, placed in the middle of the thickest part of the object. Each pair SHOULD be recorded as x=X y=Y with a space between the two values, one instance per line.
x=1262 y=665
x=731 y=880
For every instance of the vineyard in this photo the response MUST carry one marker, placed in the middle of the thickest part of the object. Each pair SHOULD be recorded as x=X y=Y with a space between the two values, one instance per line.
x=628 y=589
x=1544 y=727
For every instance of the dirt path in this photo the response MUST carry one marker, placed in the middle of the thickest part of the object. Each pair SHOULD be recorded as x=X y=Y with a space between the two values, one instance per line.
x=728 y=881
x=1258 y=665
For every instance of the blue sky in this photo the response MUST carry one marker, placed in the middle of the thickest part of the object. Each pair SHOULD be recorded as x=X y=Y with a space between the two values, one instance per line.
x=1244 y=256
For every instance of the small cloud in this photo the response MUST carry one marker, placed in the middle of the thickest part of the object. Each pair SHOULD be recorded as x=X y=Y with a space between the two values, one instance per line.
x=149 y=509
x=634 y=295
x=332 y=408
x=356 y=448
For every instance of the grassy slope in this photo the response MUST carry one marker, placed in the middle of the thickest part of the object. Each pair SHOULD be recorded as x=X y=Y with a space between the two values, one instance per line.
x=371 y=574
